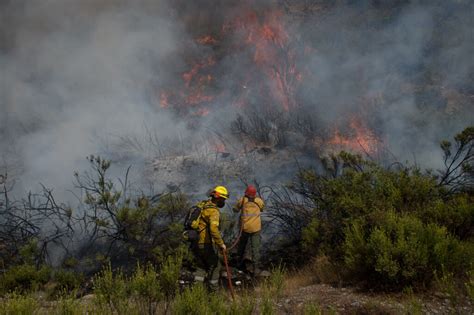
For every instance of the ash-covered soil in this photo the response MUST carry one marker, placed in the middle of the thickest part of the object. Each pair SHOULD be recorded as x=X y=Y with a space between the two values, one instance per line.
x=204 y=168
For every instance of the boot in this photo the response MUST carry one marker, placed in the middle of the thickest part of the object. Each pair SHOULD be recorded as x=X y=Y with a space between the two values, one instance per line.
x=255 y=270
x=213 y=286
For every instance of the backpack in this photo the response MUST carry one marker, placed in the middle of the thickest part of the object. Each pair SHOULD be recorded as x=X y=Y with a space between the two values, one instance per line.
x=191 y=222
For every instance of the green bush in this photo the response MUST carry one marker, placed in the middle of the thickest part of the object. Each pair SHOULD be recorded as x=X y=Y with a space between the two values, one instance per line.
x=266 y=306
x=455 y=213
x=196 y=300
x=400 y=250
x=68 y=304
x=145 y=289
x=393 y=227
x=272 y=290
x=110 y=289
x=276 y=282
x=136 y=227
x=312 y=309
x=169 y=275
x=67 y=280
x=24 y=278
x=242 y=305
x=15 y=304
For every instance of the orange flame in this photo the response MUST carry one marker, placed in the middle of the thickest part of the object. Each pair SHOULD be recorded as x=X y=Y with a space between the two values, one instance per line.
x=164 y=100
x=360 y=140
x=197 y=98
x=202 y=112
x=188 y=76
x=206 y=40
x=272 y=55
x=218 y=147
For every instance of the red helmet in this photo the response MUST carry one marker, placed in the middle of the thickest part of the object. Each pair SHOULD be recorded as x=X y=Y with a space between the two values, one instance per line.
x=250 y=192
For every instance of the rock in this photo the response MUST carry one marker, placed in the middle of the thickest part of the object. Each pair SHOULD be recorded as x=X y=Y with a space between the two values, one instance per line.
x=264 y=274
x=88 y=297
x=440 y=295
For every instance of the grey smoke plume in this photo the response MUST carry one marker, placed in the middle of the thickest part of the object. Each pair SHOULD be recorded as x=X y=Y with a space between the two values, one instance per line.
x=76 y=73
x=83 y=77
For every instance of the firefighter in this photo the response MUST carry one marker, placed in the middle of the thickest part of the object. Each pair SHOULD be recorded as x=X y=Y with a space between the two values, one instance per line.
x=250 y=206
x=210 y=239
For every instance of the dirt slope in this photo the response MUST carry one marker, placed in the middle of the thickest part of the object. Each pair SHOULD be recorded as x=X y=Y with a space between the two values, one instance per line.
x=328 y=299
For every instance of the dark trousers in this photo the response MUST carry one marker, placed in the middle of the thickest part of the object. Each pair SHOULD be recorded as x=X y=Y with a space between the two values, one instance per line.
x=249 y=248
x=207 y=265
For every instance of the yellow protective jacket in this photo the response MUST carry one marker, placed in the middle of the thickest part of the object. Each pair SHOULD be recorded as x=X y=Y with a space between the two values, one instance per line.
x=250 y=213
x=209 y=224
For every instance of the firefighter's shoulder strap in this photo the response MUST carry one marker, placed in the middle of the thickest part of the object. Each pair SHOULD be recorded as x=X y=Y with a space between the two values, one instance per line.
x=245 y=200
x=206 y=205
x=195 y=215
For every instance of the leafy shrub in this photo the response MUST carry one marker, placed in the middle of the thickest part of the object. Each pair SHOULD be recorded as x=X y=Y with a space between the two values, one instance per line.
x=146 y=289
x=142 y=292
x=132 y=227
x=312 y=309
x=244 y=304
x=275 y=284
x=15 y=304
x=68 y=304
x=266 y=306
x=456 y=214
x=24 y=278
x=272 y=290
x=401 y=250
x=67 y=281
x=393 y=227
x=110 y=289
x=196 y=300
x=169 y=275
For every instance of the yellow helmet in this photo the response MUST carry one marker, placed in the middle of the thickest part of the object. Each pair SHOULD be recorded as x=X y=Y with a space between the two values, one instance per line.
x=220 y=192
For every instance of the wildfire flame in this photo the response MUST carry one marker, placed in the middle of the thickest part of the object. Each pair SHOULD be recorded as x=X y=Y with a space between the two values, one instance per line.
x=264 y=38
x=359 y=139
x=269 y=42
x=219 y=147
x=164 y=100
x=272 y=53
x=191 y=74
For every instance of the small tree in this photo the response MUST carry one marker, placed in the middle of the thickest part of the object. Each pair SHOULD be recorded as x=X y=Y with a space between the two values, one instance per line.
x=458 y=173
x=141 y=227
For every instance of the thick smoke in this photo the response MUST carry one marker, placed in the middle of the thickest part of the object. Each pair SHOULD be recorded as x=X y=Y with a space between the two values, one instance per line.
x=83 y=77
x=76 y=75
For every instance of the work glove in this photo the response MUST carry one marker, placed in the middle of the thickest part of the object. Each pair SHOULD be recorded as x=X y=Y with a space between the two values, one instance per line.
x=223 y=247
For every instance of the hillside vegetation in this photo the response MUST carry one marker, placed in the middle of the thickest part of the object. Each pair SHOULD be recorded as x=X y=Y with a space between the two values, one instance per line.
x=390 y=229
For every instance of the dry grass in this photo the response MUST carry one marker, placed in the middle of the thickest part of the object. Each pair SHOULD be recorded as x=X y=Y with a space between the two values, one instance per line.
x=320 y=270
x=297 y=279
